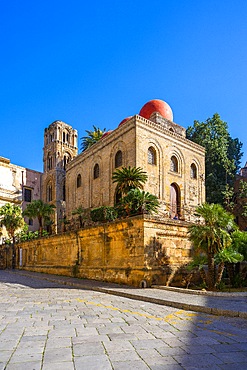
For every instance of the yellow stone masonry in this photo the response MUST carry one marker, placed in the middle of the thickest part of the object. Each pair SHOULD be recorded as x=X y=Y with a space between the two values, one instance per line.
x=136 y=251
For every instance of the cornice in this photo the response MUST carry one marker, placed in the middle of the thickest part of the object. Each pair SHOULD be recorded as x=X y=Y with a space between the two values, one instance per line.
x=127 y=126
x=161 y=129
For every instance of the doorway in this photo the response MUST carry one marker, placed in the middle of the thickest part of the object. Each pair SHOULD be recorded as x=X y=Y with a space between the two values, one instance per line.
x=175 y=200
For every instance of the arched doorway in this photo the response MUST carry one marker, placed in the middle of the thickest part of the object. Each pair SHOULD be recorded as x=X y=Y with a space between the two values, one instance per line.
x=175 y=200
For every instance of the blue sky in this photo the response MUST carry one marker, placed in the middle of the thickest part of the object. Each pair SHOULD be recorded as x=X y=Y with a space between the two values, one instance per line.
x=95 y=63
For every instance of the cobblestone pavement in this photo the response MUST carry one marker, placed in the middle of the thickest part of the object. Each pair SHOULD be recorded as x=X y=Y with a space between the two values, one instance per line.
x=49 y=326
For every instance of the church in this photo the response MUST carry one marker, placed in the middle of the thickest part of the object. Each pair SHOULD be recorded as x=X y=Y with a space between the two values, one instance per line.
x=149 y=139
x=140 y=250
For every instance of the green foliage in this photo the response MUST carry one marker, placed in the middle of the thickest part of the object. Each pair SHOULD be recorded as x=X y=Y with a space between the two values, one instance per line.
x=104 y=213
x=221 y=286
x=8 y=241
x=223 y=155
x=11 y=217
x=65 y=223
x=239 y=242
x=133 y=200
x=30 y=235
x=211 y=236
x=228 y=255
x=40 y=210
x=239 y=281
x=93 y=136
x=138 y=201
x=235 y=199
x=81 y=213
x=197 y=263
x=128 y=178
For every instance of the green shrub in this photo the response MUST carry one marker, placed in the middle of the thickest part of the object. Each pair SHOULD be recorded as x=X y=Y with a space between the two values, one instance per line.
x=104 y=213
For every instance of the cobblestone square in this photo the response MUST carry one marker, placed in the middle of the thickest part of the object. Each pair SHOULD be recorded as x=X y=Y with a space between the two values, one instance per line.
x=45 y=325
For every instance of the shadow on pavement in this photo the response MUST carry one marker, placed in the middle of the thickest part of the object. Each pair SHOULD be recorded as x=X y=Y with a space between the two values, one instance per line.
x=40 y=281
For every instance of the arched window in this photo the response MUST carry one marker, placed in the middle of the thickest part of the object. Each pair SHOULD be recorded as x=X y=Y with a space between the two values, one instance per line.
x=49 y=193
x=78 y=181
x=64 y=192
x=152 y=155
x=66 y=160
x=193 y=171
x=174 y=164
x=49 y=163
x=118 y=159
x=96 y=171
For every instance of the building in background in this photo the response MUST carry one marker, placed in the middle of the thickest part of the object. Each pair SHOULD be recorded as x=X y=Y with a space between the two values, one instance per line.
x=60 y=148
x=18 y=185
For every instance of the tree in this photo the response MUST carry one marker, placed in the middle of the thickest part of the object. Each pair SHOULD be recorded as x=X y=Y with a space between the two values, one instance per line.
x=11 y=217
x=239 y=244
x=80 y=212
x=40 y=210
x=92 y=137
x=227 y=256
x=128 y=179
x=223 y=155
x=138 y=201
x=211 y=236
x=235 y=199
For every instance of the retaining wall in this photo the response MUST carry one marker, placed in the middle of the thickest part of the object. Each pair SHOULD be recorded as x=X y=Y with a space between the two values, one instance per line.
x=136 y=251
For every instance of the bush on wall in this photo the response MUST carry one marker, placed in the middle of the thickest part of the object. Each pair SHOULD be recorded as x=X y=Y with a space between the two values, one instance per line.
x=104 y=213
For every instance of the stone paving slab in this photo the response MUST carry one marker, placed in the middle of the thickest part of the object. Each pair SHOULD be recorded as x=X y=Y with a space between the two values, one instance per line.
x=223 y=304
x=51 y=326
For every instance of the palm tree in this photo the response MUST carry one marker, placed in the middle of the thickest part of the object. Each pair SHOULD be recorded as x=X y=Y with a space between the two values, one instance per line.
x=239 y=244
x=138 y=201
x=11 y=218
x=226 y=256
x=80 y=212
x=211 y=236
x=92 y=137
x=40 y=210
x=128 y=179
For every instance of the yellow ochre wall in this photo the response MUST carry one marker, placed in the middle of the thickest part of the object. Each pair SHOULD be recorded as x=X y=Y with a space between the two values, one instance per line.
x=137 y=251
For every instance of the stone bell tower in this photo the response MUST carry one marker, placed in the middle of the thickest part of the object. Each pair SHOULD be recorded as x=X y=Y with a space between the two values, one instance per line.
x=60 y=147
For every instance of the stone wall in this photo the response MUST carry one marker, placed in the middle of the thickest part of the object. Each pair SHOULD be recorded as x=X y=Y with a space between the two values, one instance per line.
x=137 y=251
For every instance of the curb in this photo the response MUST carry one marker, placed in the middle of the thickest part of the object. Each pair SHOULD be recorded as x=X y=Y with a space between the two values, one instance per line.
x=200 y=292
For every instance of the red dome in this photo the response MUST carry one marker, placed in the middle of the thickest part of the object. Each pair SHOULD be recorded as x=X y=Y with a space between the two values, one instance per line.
x=156 y=106
x=124 y=120
x=106 y=133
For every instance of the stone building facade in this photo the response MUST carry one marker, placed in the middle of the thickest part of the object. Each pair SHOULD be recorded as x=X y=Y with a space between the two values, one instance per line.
x=152 y=141
x=18 y=185
x=60 y=147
